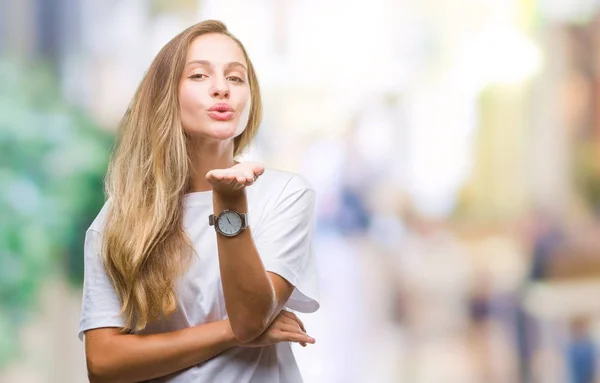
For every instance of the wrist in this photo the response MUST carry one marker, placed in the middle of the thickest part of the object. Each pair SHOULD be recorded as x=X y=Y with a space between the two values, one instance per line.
x=230 y=338
x=236 y=201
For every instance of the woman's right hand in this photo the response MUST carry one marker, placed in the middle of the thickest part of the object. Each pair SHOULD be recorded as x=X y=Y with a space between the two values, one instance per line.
x=285 y=328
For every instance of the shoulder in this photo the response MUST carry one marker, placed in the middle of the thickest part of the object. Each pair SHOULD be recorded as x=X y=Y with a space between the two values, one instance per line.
x=98 y=223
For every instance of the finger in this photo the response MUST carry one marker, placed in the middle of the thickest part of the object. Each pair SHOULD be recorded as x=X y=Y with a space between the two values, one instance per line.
x=289 y=315
x=258 y=169
x=249 y=174
x=293 y=328
x=255 y=167
x=293 y=337
x=287 y=320
x=294 y=317
x=240 y=177
x=227 y=180
x=218 y=174
x=212 y=176
x=249 y=178
x=291 y=322
x=299 y=322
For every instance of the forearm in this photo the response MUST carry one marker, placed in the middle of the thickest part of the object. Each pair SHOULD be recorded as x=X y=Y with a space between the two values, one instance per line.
x=249 y=294
x=134 y=358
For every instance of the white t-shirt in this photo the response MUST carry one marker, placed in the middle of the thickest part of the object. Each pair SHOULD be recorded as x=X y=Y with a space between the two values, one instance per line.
x=280 y=212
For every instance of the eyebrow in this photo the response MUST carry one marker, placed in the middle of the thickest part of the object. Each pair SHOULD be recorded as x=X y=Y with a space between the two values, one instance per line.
x=208 y=63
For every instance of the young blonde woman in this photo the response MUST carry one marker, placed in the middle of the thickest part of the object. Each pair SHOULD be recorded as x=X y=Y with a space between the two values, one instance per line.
x=193 y=260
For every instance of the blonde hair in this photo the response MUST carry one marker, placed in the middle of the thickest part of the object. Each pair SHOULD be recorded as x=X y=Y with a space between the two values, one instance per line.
x=145 y=247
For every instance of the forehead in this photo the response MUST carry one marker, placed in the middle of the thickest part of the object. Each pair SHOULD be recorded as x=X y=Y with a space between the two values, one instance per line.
x=215 y=47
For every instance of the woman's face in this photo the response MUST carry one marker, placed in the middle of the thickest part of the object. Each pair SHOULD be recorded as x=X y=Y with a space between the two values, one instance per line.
x=214 y=95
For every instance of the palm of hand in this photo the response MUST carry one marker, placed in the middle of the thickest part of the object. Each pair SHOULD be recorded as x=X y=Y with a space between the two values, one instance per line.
x=232 y=180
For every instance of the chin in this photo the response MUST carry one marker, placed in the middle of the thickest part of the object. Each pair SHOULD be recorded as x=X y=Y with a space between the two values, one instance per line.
x=220 y=131
x=223 y=130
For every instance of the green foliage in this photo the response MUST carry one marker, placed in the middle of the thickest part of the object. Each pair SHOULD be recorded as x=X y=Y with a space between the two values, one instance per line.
x=52 y=162
x=587 y=174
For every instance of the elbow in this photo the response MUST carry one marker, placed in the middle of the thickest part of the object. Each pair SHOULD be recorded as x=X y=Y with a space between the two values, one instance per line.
x=98 y=370
x=247 y=333
x=95 y=378
x=96 y=373
x=249 y=324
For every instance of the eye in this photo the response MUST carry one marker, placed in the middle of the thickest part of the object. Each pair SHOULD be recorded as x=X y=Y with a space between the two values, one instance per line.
x=236 y=79
x=198 y=76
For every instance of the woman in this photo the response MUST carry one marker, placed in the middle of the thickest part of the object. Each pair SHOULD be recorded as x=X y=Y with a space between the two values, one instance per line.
x=190 y=263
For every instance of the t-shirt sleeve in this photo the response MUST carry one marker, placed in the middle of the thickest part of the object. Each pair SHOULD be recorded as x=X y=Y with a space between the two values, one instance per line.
x=284 y=242
x=100 y=305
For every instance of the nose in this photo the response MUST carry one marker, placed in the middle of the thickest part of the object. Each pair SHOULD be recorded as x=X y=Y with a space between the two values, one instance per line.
x=220 y=89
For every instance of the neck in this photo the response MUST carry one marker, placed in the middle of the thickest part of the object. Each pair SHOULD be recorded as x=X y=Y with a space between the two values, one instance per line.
x=206 y=156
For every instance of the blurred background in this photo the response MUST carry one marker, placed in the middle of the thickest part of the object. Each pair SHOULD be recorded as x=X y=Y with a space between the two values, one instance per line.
x=454 y=146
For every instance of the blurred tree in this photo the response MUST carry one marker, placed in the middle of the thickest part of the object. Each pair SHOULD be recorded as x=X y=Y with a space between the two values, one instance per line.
x=587 y=173
x=158 y=7
x=52 y=161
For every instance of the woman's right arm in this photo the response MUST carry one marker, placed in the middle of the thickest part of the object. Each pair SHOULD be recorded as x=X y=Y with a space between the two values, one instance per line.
x=115 y=357
x=112 y=356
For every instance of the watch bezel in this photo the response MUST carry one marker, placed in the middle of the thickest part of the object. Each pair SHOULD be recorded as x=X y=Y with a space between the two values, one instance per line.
x=214 y=221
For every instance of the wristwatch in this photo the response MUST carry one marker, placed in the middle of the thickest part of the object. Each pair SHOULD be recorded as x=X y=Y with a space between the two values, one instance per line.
x=229 y=222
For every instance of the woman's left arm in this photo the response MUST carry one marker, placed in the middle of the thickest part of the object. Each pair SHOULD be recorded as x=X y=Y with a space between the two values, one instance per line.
x=253 y=296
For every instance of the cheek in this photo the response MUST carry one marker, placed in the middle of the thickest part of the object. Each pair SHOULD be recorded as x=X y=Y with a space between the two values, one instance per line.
x=190 y=105
x=187 y=98
x=244 y=116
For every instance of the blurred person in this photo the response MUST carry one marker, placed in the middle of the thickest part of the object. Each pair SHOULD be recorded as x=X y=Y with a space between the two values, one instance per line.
x=432 y=272
x=581 y=353
x=165 y=299
x=546 y=235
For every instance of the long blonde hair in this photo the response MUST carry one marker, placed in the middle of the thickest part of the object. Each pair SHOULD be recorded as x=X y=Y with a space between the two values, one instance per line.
x=145 y=247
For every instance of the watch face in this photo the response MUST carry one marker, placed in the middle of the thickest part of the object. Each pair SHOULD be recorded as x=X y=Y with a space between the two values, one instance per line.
x=230 y=223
